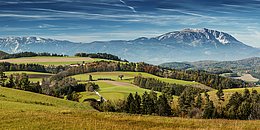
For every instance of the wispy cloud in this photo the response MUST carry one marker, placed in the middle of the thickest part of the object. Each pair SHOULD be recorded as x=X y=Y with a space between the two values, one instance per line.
x=130 y=7
x=117 y=19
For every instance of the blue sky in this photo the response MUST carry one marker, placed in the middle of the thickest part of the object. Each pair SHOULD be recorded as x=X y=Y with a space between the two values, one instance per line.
x=98 y=20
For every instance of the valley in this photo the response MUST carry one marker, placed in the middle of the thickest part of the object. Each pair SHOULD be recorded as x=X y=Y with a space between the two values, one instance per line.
x=130 y=65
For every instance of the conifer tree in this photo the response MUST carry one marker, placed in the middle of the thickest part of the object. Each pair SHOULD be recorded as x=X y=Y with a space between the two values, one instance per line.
x=208 y=108
x=220 y=94
x=198 y=102
x=163 y=108
x=137 y=102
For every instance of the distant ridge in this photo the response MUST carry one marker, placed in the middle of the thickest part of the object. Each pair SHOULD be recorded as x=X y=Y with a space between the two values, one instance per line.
x=184 y=45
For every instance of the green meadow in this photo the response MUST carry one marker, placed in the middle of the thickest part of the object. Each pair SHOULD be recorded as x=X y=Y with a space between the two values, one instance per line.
x=26 y=110
x=113 y=91
x=128 y=77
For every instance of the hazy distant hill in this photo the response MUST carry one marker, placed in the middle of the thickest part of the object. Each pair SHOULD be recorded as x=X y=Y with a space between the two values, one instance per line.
x=249 y=65
x=2 y=54
x=185 y=45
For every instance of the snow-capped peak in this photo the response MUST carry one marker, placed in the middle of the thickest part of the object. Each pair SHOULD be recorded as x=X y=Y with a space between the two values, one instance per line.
x=198 y=36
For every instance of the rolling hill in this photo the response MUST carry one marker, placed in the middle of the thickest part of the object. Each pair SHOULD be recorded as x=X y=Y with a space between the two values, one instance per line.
x=184 y=45
x=18 y=110
x=13 y=99
x=244 y=66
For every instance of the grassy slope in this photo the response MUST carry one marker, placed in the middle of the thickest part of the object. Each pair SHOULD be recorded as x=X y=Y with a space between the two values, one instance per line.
x=113 y=92
x=18 y=111
x=22 y=100
x=93 y=120
x=128 y=77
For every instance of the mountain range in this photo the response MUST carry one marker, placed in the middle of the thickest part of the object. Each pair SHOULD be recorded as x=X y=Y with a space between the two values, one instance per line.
x=184 y=45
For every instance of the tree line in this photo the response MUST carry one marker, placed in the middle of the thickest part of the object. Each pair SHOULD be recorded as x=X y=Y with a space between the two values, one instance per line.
x=160 y=86
x=100 y=55
x=190 y=104
x=6 y=66
x=29 y=54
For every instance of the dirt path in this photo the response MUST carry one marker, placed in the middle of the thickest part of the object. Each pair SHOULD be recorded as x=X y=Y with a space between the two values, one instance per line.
x=116 y=83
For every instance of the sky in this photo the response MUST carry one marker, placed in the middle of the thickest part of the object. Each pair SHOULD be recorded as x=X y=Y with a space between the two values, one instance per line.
x=101 y=20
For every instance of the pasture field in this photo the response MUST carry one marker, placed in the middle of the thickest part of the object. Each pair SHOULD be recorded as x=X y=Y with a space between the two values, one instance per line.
x=120 y=89
x=26 y=110
x=113 y=90
x=50 y=60
x=33 y=76
x=23 y=100
x=89 y=120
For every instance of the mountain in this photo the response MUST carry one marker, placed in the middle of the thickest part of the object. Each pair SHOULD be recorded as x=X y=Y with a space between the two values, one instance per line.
x=184 y=45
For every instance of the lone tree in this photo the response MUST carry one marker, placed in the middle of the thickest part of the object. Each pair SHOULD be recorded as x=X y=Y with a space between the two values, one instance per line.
x=121 y=76
x=91 y=87
x=90 y=78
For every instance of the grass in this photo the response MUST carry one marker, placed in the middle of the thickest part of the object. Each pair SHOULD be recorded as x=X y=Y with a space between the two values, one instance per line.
x=113 y=92
x=50 y=60
x=21 y=100
x=128 y=77
x=120 y=89
x=93 y=120
x=20 y=110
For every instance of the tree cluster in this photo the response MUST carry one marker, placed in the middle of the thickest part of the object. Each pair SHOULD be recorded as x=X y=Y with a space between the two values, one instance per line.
x=19 y=81
x=157 y=85
x=67 y=87
x=61 y=88
x=5 y=66
x=148 y=104
x=191 y=104
x=243 y=106
x=100 y=55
